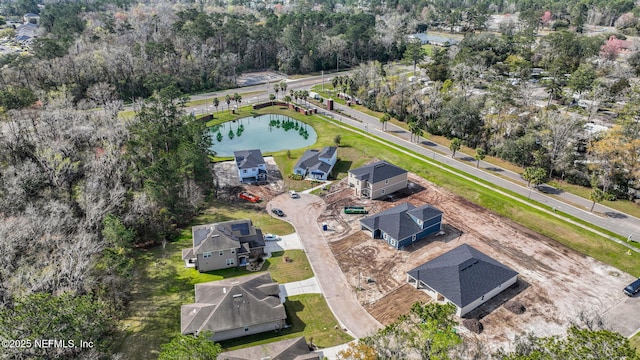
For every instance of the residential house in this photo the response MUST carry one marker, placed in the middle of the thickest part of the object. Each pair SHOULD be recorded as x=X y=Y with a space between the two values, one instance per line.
x=290 y=349
x=317 y=164
x=402 y=225
x=464 y=277
x=235 y=307
x=251 y=165
x=433 y=39
x=224 y=245
x=377 y=179
x=31 y=18
x=25 y=33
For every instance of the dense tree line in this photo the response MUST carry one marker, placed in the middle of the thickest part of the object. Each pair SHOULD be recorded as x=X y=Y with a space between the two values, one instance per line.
x=79 y=190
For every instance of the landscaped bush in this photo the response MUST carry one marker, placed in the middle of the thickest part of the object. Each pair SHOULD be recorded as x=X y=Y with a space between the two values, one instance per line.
x=515 y=307
x=473 y=325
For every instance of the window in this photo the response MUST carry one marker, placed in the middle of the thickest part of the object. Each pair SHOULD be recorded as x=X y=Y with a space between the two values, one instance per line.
x=221 y=252
x=392 y=242
x=382 y=191
x=230 y=262
x=233 y=251
x=206 y=254
x=246 y=329
x=413 y=237
x=244 y=171
x=386 y=182
x=482 y=298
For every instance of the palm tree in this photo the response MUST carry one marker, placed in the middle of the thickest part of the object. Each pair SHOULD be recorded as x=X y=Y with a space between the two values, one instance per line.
x=455 y=146
x=283 y=86
x=216 y=102
x=386 y=117
x=276 y=88
x=237 y=98
x=287 y=98
x=271 y=98
x=305 y=95
x=227 y=99
x=334 y=82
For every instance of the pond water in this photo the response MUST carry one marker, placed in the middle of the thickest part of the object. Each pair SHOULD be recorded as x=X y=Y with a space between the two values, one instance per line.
x=268 y=133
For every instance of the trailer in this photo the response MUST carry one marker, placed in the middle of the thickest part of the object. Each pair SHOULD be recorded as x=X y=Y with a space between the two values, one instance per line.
x=355 y=210
x=249 y=197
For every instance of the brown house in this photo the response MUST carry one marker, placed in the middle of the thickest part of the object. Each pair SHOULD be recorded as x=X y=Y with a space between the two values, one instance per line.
x=235 y=307
x=378 y=179
x=224 y=245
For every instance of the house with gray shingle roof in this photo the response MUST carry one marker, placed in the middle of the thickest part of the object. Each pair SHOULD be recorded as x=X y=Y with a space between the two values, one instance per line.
x=377 y=179
x=316 y=164
x=290 y=349
x=234 y=307
x=464 y=277
x=223 y=245
x=251 y=165
x=402 y=225
x=433 y=39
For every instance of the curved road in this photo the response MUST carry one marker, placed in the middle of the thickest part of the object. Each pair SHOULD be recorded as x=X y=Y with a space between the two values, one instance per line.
x=303 y=214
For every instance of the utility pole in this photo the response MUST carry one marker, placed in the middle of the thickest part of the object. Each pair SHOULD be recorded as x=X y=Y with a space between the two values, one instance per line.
x=337 y=63
x=322 y=80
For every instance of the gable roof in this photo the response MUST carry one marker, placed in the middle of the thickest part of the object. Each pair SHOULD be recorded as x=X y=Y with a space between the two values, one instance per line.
x=290 y=349
x=233 y=303
x=246 y=159
x=463 y=274
x=312 y=159
x=226 y=235
x=396 y=221
x=377 y=171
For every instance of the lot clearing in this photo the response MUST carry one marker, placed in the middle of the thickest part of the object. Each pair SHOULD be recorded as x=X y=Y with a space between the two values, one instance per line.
x=556 y=284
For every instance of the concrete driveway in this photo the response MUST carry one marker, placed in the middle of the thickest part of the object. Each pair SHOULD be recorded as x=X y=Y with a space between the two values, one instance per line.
x=303 y=213
x=623 y=318
x=307 y=286
x=288 y=242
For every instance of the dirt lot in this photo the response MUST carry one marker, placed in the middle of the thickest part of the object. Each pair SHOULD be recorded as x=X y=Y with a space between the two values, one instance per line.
x=229 y=186
x=555 y=282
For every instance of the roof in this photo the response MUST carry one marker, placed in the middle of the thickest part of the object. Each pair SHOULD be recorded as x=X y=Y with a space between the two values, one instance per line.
x=247 y=159
x=377 y=171
x=233 y=303
x=226 y=235
x=426 y=38
x=290 y=349
x=311 y=159
x=463 y=274
x=396 y=221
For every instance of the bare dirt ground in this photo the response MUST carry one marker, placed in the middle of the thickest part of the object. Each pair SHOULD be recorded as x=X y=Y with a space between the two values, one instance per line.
x=555 y=283
x=229 y=186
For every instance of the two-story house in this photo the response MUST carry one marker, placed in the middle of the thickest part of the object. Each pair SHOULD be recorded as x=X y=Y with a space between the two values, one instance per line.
x=377 y=179
x=224 y=245
x=317 y=164
x=251 y=165
x=402 y=225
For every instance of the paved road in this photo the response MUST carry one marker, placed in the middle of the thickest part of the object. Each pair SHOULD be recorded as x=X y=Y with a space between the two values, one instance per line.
x=303 y=214
x=614 y=220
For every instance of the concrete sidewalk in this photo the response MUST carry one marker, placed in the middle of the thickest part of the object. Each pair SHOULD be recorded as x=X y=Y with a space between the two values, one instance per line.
x=288 y=242
x=307 y=286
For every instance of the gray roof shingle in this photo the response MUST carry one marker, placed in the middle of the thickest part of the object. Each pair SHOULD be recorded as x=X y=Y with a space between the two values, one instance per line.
x=289 y=349
x=312 y=159
x=248 y=159
x=226 y=235
x=377 y=171
x=463 y=274
x=232 y=304
x=396 y=221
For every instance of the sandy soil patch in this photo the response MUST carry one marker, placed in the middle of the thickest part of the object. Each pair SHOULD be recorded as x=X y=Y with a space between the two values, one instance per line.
x=555 y=283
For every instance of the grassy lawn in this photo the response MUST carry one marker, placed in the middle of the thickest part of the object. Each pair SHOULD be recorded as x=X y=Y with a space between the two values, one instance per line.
x=296 y=269
x=635 y=342
x=308 y=316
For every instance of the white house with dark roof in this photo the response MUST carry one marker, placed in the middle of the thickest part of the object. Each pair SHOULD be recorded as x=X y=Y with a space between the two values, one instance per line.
x=403 y=225
x=234 y=307
x=289 y=349
x=377 y=179
x=251 y=165
x=223 y=245
x=317 y=164
x=464 y=277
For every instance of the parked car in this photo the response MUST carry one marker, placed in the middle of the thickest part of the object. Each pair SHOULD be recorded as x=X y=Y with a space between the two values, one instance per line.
x=271 y=237
x=293 y=194
x=632 y=288
x=277 y=212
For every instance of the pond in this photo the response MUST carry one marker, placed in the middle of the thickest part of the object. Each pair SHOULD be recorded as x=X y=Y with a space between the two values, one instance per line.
x=268 y=133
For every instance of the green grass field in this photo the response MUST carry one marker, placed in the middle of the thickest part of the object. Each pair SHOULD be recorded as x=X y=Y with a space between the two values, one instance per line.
x=635 y=342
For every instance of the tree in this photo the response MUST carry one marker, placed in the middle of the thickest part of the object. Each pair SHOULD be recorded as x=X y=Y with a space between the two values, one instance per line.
x=357 y=351
x=283 y=87
x=597 y=196
x=216 y=102
x=287 y=99
x=414 y=53
x=337 y=139
x=611 y=48
x=582 y=79
x=276 y=88
x=272 y=97
x=189 y=347
x=384 y=119
x=227 y=99
x=479 y=156
x=534 y=176
x=454 y=146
